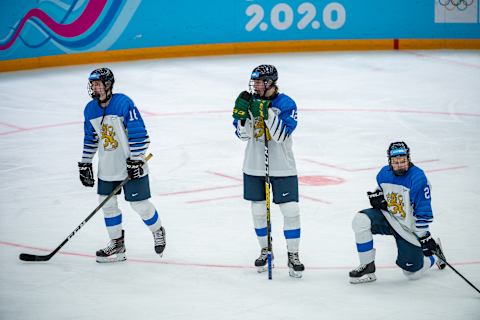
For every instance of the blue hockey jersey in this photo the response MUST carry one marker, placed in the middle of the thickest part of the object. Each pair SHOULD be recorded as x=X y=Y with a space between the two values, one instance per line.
x=117 y=132
x=408 y=198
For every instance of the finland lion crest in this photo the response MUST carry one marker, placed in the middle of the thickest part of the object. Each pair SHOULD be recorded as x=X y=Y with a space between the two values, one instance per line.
x=108 y=137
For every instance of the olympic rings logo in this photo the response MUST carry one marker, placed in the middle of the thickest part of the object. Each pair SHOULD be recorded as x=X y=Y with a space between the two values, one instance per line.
x=459 y=4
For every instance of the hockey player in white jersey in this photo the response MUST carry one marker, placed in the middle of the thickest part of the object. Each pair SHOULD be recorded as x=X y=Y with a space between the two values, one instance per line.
x=401 y=207
x=114 y=127
x=281 y=119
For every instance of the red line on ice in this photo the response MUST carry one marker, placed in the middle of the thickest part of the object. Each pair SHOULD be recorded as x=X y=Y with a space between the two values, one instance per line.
x=424 y=55
x=205 y=265
x=47 y=126
x=189 y=113
x=359 y=169
x=315 y=199
x=224 y=175
x=446 y=169
x=11 y=126
x=213 y=199
x=197 y=190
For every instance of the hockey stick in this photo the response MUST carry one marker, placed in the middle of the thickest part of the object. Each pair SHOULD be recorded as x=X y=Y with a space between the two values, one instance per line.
x=267 y=195
x=34 y=257
x=439 y=256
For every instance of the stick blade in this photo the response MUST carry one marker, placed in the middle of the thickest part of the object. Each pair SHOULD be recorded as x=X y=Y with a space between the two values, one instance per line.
x=33 y=257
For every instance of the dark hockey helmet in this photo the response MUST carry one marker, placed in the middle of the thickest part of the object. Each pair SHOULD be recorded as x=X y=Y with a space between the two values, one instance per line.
x=106 y=76
x=265 y=72
x=398 y=149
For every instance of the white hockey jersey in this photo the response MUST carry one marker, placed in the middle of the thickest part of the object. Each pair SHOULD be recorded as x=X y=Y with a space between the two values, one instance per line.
x=117 y=132
x=282 y=121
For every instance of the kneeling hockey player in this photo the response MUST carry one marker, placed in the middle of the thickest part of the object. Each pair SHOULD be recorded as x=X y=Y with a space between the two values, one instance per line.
x=401 y=207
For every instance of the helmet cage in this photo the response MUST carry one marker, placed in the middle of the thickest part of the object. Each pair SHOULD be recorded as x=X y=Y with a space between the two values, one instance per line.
x=398 y=149
x=104 y=75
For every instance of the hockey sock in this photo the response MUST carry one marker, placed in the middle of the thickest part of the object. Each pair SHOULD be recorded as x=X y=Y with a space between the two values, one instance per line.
x=113 y=217
x=148 y=213
x=361 y=225
x=291 y=225
x=259 y=214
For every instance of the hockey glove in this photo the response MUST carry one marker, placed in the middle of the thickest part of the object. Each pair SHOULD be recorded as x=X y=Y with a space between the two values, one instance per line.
x=240 y=111
x=86 y=174
x=259 y=108
x=377 y=201
x=134 y=168
x=429 y=246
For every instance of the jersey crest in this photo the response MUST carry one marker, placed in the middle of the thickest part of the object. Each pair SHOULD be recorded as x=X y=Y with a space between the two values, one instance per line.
x=260 y=129
x=108 y=137
x=396 y=204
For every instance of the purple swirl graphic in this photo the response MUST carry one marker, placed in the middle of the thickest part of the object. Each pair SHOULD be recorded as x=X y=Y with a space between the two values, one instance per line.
x=88 y=17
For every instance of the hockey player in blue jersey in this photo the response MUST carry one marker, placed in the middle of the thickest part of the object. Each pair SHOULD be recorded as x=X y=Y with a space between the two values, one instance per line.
x=401 y=207
x=280 y=114
x=113 y=127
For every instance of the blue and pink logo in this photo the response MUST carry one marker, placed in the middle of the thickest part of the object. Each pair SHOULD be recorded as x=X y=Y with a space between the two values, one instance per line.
x=88 y=25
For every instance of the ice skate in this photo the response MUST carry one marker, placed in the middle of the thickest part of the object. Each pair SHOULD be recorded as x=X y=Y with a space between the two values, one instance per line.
x=159 y=241
x=295 y=267
x=440 y=256
x=113 y=252
x=262 y=262
x=364 y=273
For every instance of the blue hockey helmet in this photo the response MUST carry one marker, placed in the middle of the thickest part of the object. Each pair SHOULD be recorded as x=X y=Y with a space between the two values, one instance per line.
x=398 y=149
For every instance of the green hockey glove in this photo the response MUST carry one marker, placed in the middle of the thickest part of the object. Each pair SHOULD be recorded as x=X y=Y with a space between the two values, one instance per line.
x=259 y=108
x=240 y=111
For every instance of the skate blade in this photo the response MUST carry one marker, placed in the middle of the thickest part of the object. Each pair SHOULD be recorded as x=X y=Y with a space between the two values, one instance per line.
x=364 y=279
x=295 y=274
x=263 y=268
x=114 y=258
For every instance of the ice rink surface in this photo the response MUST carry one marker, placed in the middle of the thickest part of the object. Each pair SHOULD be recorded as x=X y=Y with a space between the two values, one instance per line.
x=350 y=107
